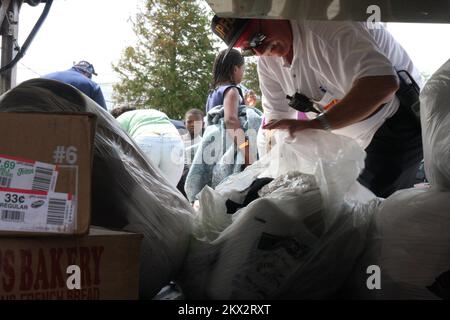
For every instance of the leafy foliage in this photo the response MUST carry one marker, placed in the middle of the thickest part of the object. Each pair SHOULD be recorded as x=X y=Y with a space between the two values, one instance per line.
x=251 y=80
x=169 y=68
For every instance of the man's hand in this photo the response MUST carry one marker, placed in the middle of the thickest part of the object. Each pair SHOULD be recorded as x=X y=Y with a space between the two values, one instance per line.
x=291 y=125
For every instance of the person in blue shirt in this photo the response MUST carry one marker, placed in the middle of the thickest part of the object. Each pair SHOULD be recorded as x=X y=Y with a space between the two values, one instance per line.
x=80 y=76
x=228 y=71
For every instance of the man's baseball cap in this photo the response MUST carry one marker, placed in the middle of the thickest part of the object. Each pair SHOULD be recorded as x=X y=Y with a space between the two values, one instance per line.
x=85 y=67
x=229 y=30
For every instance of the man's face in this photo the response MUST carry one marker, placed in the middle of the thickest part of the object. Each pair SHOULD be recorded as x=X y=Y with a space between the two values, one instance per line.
x=276 y=35
x=194 y=124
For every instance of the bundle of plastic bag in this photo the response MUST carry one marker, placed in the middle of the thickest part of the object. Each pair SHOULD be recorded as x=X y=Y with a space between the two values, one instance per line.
x=410 y=239
x=335 y=161
x=300 y=239
x=128 y=192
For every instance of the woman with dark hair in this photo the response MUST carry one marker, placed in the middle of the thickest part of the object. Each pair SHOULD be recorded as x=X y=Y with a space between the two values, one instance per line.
x=229 y=141
x=228 y=71
x=227 y=74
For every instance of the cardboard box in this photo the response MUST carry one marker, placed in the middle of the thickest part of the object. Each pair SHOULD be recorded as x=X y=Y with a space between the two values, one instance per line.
x=45 y=173
x=36 y=268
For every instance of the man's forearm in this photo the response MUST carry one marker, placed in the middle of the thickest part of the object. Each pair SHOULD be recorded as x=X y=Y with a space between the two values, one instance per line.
x=363 y=100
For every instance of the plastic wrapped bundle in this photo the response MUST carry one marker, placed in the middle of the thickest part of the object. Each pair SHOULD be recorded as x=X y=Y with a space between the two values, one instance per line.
x=299 y=240
x=128 y=193
x=410 y=239
x=435 y=118
x=265 y=244
x=269 y=231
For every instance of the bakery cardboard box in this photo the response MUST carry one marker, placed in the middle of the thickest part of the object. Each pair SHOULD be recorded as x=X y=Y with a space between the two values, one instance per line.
x=103 y=264
x=45 y=173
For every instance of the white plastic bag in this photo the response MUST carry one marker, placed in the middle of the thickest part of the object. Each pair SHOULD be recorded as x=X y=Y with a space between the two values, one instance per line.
x=410 y=238
x=234 y=186
x=435 y=119
x=234 y=253
x=410 y=243
x=334 y=160
x=211 y=219
x=298 y=236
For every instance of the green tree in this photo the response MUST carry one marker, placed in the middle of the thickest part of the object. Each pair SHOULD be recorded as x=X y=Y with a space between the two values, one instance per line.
x=251 y=80
x=169 y=68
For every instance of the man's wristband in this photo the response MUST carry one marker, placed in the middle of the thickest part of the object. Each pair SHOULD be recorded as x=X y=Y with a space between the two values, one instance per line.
x=323 y=121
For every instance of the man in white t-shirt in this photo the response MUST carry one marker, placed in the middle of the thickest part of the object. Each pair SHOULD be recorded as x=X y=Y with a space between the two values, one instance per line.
x=348 y=74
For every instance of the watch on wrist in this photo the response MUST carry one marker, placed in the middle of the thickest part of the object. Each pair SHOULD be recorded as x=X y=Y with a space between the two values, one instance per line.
x=323 y=121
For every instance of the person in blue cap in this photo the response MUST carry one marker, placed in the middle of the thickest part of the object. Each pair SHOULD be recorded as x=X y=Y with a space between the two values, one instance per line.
x=80 y=76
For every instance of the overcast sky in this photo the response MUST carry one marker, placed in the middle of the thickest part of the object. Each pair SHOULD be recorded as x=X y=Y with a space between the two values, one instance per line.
x=92 y=30
x=427 y=44
x=98 y=31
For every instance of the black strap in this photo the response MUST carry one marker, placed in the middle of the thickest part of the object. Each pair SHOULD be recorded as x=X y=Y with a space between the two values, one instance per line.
x=408 y=94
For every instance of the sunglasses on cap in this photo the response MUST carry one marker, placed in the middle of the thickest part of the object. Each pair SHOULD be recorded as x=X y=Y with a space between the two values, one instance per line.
x=252 y=42
x=256 y=41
